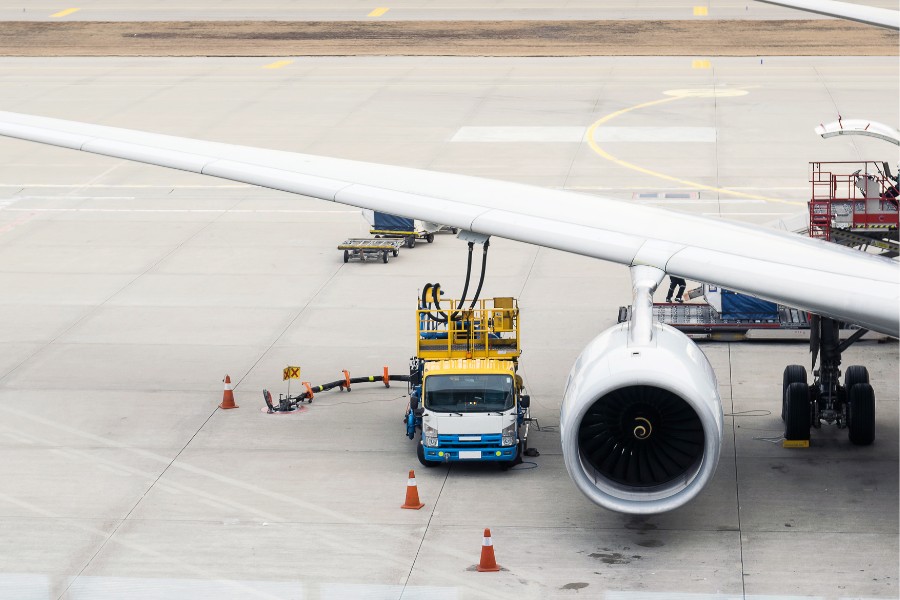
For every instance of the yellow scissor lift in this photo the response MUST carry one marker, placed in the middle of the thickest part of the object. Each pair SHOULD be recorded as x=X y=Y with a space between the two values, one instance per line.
x=490 y=329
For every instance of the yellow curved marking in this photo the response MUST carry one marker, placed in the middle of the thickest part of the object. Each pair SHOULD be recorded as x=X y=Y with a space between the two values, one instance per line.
x=673 y=95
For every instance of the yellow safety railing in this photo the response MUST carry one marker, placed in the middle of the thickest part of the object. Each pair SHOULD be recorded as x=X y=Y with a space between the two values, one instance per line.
x=488 y=330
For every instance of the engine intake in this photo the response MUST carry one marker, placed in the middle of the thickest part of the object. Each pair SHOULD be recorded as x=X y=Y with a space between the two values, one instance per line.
x=641 y=425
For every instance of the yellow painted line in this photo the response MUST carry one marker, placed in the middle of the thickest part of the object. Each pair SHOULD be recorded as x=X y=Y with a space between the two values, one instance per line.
x=676 y=95
x=65 y=13
x=700 y=64
x=278 y=64
x=700 y=11
x=378 y=11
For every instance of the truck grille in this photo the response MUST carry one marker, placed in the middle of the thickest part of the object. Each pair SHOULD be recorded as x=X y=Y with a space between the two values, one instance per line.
x=469 y=441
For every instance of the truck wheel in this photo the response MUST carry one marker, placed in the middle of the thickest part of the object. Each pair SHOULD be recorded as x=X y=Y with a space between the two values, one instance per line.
x=411 y=241
x=346 y=256
x=796 y=414
x=520 y=454
x=792 y=374
x=384 y=256
x=395 y=252
x=420 y=454
x=429 y=238
x=861 y=418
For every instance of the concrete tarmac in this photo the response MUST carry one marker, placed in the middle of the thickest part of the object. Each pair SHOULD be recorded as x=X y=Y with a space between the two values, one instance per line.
x=401 y=10
x=128 y=292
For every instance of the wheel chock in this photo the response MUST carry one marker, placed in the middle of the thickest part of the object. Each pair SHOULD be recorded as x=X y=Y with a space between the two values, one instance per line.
x=386 y=378
x=309 y=391
x=346 y=380
x=795 y=444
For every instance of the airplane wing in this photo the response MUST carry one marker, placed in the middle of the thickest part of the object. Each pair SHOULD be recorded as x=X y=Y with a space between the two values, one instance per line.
x=870 y=15
x=811 y=275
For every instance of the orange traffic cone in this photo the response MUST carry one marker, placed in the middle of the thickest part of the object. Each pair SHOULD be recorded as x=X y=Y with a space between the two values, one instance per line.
x=228 y=395
x=412 y=493
x=487 y=562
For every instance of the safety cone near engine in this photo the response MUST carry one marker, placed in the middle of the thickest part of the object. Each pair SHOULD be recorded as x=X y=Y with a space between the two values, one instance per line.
x=412 y=493
x=228 y=395
x=487 y=562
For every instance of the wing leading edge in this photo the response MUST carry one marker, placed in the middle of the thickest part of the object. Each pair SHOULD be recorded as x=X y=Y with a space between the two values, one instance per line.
x=870 y=15
x=807 y=274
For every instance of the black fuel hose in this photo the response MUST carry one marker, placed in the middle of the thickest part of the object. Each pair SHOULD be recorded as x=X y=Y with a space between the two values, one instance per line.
x=487 y=244
x=455 y=315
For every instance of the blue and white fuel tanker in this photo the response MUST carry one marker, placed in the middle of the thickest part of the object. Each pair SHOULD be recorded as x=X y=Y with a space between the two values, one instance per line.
x=467 y=402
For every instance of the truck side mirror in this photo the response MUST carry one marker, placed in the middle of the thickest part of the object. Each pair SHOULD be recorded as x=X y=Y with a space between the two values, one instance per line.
x=525 y=401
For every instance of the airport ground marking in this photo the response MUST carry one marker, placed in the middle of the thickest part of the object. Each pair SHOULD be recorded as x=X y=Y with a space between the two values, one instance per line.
x=64 y=13
x=701 y=11
x=671 y=96
x=378 y=11
x=278 y=64
x=700 y=63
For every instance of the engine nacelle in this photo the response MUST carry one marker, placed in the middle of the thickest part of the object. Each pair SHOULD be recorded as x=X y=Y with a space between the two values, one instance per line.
x=641 y=425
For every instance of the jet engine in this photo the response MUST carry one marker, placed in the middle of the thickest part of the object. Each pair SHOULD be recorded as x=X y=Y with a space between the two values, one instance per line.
x=641 y=424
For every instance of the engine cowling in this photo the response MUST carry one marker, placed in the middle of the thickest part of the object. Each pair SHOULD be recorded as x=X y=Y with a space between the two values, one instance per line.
x=641 y=425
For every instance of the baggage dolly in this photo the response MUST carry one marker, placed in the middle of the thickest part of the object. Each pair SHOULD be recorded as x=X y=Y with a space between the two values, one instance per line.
x=366 y=249
x=393 y=227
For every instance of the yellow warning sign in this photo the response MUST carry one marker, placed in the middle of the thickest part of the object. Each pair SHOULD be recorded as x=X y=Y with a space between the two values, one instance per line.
x=291 y=373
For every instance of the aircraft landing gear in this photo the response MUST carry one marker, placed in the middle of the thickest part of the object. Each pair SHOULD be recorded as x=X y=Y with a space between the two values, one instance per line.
x=850 y=405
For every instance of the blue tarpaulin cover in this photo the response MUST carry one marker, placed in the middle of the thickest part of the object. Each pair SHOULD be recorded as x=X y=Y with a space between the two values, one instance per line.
x=386 y=222
x=740 y=307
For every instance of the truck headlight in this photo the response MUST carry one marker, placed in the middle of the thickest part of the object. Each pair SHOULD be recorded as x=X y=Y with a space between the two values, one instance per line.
x=509 y=435
x=430 y=435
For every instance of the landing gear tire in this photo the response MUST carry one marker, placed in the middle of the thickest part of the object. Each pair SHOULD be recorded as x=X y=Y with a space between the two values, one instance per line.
x=796 y=413
x=861 y=417
x=420 y=454
x=853 y=375
x=792 y=374
x=346 y=256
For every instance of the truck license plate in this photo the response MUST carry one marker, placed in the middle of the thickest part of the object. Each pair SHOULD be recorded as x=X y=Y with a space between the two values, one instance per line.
x=464 y=454
x=470 y=438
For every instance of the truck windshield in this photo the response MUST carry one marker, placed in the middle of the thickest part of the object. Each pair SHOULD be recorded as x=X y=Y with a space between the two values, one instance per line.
x=468 y=393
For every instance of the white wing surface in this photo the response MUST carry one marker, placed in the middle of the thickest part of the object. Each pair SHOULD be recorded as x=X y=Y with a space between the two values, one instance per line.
x=786 y=268
x=870 y=15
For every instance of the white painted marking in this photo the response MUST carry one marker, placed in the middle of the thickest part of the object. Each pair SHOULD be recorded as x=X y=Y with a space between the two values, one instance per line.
x=365 y=591
x=519 y=134
x=144 y=588
x=668 y=201
x=656 y=134
x=25 y=586
x=576 y=134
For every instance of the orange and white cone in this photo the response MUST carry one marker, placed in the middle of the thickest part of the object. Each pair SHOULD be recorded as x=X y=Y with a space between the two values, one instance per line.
x=228 y=395
x=487 y=562
x=412 y=493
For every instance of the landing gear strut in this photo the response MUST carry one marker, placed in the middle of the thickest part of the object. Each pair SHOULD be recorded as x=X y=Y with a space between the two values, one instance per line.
x=850 y=405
